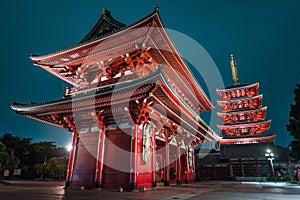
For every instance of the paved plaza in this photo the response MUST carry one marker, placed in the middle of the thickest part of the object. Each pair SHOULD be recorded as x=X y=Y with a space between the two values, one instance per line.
x=22 y=190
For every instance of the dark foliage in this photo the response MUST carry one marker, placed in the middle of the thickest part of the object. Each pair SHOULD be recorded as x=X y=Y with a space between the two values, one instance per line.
x=294 y=125
x=22 y=153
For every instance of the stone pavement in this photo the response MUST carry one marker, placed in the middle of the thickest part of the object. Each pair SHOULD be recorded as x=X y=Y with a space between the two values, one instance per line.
x=22 y=190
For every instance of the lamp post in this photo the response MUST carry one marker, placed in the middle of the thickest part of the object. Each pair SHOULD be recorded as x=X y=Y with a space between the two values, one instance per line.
x=270 y=157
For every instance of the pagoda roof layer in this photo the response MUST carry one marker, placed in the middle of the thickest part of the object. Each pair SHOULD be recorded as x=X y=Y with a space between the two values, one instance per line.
x=243 y=116
x=249 y=129
x=248 y=140
x=93 y=51
x=239 y=91
x=241 y=103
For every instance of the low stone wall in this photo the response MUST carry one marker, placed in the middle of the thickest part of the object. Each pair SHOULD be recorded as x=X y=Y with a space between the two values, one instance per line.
x=255 y=179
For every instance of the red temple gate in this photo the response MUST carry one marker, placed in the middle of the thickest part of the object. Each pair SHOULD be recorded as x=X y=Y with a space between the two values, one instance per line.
x=133 y=109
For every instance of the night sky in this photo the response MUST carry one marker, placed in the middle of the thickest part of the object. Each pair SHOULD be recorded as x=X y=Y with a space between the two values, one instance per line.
x=263 y=35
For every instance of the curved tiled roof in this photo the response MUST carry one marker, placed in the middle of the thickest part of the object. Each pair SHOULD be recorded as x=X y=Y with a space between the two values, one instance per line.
x=87 y=40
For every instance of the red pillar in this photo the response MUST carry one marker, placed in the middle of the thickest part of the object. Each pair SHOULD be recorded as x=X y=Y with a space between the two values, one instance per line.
x=100 y=158
x=214 y=172
x=257 y=168
x=187 y=181
x=178 y=168
x=194 y=165
x=298 y=174
x=133 y=184
x=72 y=159
x=242 y=168
x=167 y=164
x=231 y=174
x=154 y=160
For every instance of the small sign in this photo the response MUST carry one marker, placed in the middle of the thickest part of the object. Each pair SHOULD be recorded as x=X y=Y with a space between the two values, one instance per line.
x=17 y=172
x=6 y=173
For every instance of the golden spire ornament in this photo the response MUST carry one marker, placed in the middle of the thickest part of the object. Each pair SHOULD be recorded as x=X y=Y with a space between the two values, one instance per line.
x=234 y=70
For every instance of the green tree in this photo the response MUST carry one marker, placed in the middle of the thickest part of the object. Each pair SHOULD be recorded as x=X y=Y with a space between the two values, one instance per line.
x=42 y=151
x=51 y=168
x=294 y=125
x=21 y=147
x=3 y=158
x=41 y=169
x=7 y=159
x=13 y=161
x=288 y=172
x=20 y=152
x=62 y=170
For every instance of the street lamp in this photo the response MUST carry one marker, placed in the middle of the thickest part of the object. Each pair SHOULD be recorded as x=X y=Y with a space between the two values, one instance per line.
x=270 y=157
x=69 y=147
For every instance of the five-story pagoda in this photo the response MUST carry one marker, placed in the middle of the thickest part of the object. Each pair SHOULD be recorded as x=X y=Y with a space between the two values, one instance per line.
x=242 y=113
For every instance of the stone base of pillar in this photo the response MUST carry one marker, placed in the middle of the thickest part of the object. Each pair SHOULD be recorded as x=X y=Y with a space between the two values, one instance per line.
x=154 y=184
x=68 y=184
x=178 y=182
x=98 y=185
x=187 y=181
x=133 y=187
x=167 y=183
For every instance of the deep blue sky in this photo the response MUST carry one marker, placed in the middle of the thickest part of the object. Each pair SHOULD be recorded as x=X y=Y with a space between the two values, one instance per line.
x=264 y=36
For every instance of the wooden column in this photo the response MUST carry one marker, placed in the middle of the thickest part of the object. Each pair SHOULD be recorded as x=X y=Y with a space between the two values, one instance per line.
x=231 y=174
x=214 y=172
x=187 y=181
x=167 y=164
x=133 y=184
x=257 y=168
x=194 y=166
x=100 y=158
x=72 y=159
x=242 y=168
x=153 y=160
x=178 y=168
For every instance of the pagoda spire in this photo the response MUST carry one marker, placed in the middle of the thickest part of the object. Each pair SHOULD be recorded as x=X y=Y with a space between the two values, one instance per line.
x=234 y=70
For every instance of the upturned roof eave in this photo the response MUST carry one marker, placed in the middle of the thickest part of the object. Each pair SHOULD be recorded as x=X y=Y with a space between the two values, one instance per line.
x=35 y=57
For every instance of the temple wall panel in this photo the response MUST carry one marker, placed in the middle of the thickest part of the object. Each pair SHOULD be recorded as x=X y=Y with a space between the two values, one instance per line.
x=144 y=179
x=85 y=160
x=117 y=159
x=191 y=176
x=183 y=168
